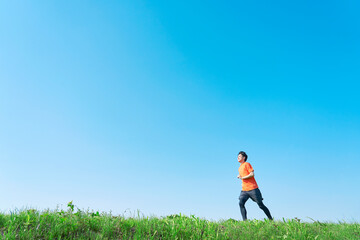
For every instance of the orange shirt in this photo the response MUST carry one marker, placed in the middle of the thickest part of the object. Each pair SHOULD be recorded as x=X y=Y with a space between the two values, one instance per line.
x=250 y=183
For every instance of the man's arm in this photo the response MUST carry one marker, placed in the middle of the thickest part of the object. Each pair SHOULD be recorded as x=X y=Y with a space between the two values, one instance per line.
x=249 y=176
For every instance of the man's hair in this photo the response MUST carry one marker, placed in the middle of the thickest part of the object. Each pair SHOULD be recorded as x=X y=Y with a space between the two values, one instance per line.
x=244 y=154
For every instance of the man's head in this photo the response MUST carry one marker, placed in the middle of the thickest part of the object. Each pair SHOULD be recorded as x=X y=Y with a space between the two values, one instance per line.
x=242 y=157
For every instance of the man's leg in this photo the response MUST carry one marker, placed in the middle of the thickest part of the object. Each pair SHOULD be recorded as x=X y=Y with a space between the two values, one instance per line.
x=265 y=209
x=257 y=197
x=242 y=200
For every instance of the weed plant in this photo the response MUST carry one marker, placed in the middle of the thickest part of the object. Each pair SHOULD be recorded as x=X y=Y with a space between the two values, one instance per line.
x=60 y=224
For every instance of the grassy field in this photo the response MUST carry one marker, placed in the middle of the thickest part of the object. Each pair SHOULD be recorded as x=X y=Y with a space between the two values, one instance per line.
x=78 y=224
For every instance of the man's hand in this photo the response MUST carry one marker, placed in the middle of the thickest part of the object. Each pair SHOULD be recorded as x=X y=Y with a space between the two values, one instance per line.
x=239 y=176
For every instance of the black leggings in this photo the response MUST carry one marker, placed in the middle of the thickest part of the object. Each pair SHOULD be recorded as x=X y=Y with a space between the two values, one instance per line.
x=255 y=195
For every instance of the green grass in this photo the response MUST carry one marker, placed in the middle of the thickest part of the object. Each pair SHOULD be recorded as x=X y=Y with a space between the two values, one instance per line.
x=70 y=224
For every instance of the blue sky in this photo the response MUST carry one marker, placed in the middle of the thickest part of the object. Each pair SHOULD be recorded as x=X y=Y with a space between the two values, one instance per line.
x=144 y=105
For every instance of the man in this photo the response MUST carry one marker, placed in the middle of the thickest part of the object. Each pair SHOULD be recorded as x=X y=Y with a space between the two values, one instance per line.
x=250 y=188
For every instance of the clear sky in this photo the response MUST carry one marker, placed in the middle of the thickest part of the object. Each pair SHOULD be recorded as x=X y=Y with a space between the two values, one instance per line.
x=144 y=105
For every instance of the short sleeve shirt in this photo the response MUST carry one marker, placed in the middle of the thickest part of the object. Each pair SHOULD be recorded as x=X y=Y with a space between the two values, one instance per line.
x=250 y=183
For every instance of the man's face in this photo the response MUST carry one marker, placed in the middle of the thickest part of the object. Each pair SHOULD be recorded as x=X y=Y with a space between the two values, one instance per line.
x=241 y=158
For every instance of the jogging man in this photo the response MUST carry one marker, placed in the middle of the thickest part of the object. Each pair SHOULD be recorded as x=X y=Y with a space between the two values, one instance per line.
x=250 y=188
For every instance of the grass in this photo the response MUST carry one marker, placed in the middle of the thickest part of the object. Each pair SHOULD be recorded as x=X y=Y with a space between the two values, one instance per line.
x=60 y=224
